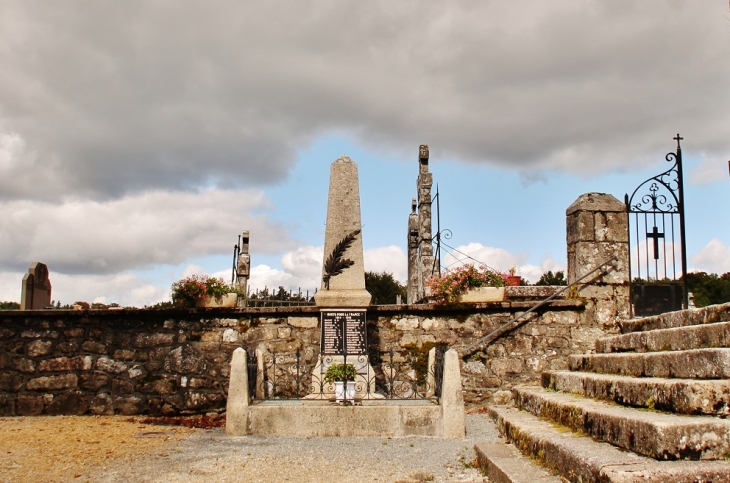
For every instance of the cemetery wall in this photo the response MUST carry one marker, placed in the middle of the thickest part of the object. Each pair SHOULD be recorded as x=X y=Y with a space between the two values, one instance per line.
x=177 y=361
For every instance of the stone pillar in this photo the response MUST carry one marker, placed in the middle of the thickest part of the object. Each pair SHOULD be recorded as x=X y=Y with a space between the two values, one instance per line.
x=425 y=247
x=413 y=242
x=238 y=396
x=452 y=398
x=243 y=266
x=597 y=229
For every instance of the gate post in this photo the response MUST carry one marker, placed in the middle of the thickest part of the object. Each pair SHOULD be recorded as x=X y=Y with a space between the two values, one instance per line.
x=597 y=229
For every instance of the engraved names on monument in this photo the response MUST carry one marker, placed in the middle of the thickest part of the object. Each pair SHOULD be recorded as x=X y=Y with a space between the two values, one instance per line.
x=343 y=332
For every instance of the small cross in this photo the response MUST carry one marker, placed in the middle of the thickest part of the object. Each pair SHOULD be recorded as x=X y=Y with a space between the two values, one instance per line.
x=656 y=236
x=678 y=139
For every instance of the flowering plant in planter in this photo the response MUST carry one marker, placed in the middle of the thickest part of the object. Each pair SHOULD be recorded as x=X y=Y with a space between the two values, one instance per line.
x=340 y=372
x=447 y=287
x=190 y=290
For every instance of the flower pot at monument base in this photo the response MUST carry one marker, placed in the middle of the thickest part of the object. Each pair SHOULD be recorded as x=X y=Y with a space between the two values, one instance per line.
x=227 y=300
x=343 y=393
x=482 y=294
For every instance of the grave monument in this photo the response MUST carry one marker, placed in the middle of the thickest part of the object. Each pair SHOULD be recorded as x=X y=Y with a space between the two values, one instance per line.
x=243 y=265
x=35 y=293
x=342 y=298
x=420 y=248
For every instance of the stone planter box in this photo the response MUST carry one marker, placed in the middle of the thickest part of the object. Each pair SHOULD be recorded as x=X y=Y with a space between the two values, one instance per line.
x=228 y=300
x=482 y=294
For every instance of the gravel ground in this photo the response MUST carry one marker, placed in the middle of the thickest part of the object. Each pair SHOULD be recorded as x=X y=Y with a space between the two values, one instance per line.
x=211 y=456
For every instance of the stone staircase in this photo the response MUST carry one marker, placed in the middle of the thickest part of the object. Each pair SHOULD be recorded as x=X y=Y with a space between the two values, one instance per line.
x=647 y=406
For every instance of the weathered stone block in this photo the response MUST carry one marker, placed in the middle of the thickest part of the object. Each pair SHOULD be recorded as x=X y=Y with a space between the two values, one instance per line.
x=119 y=339
x=151 y=340
x=184 y=360
x=7 y=405
x=129 y=405
x=24 y=365
x=406 y=323
x=129 y=355
x=95 y=347
x=68 y=346
x=94 y=381
x=231 y=336
x=78 y=363
x=28 y=405
x=201 y=400
x=52 y=383
x=303 y=322
x=39 y=348
x=282 y=346
x=110 y=365
x=74 y=332
x=75 y=402
x=135 y=371
x=39 y=334
x=6 y=333
x=210 y=337
x=158 y=385
x=10 y=382
x=122 y=386
x=102 y=405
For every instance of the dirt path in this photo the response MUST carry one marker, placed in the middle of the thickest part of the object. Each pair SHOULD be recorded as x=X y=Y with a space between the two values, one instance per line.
x=120 y=449
x=71 y=448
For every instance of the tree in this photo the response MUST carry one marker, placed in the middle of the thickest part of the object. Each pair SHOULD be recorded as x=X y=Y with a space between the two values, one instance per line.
x=709 y=288
x=9 y=306
x=548 y=278
x=384 y=288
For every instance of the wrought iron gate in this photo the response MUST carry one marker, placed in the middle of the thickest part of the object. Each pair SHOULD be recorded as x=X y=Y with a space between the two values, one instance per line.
x=658 y=255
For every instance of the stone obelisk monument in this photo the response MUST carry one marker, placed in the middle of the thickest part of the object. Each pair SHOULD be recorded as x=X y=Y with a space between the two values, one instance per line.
x=342 y=298
x=343 y=271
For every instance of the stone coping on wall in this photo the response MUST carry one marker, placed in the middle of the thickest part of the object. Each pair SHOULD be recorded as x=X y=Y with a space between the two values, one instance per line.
x=517 y=299
x=211 y=313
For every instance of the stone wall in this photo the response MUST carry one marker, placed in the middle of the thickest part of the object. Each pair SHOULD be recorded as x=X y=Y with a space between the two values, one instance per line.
x=177 y=361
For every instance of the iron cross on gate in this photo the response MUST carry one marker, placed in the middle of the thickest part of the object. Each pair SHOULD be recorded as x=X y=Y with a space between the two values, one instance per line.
x=656 y=236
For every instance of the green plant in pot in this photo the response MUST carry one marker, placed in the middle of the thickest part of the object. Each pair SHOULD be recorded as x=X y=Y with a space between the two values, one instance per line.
x=340 y=372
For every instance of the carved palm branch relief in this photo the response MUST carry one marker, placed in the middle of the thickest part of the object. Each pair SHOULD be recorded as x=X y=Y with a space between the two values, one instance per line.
x=337 y=263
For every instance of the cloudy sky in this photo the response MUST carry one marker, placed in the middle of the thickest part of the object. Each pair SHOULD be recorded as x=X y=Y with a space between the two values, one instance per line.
x=138 y=139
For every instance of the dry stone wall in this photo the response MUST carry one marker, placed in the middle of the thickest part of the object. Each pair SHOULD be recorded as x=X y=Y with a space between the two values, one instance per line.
x=177 y=362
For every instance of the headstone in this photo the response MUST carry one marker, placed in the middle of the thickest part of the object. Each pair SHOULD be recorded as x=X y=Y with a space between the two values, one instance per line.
x=36 y=290
x=343 y=272
x=243 y=265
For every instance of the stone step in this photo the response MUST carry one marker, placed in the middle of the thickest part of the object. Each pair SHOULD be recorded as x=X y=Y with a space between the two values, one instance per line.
x=680 y=318
x=680 y=338
x=580 y=459
x=690 y=364
x=657 y=435
x=503 y=463
x=683 y=396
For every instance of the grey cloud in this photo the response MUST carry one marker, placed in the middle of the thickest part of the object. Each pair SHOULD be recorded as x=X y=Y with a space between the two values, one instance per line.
x=88 y=237
x=117 y=97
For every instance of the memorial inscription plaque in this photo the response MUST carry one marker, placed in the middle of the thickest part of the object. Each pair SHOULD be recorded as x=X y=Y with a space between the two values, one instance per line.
x=343 y=332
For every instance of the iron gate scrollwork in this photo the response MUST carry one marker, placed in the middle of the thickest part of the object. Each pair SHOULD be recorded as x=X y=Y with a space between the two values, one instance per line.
x=390 y=376
x=658 y=257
